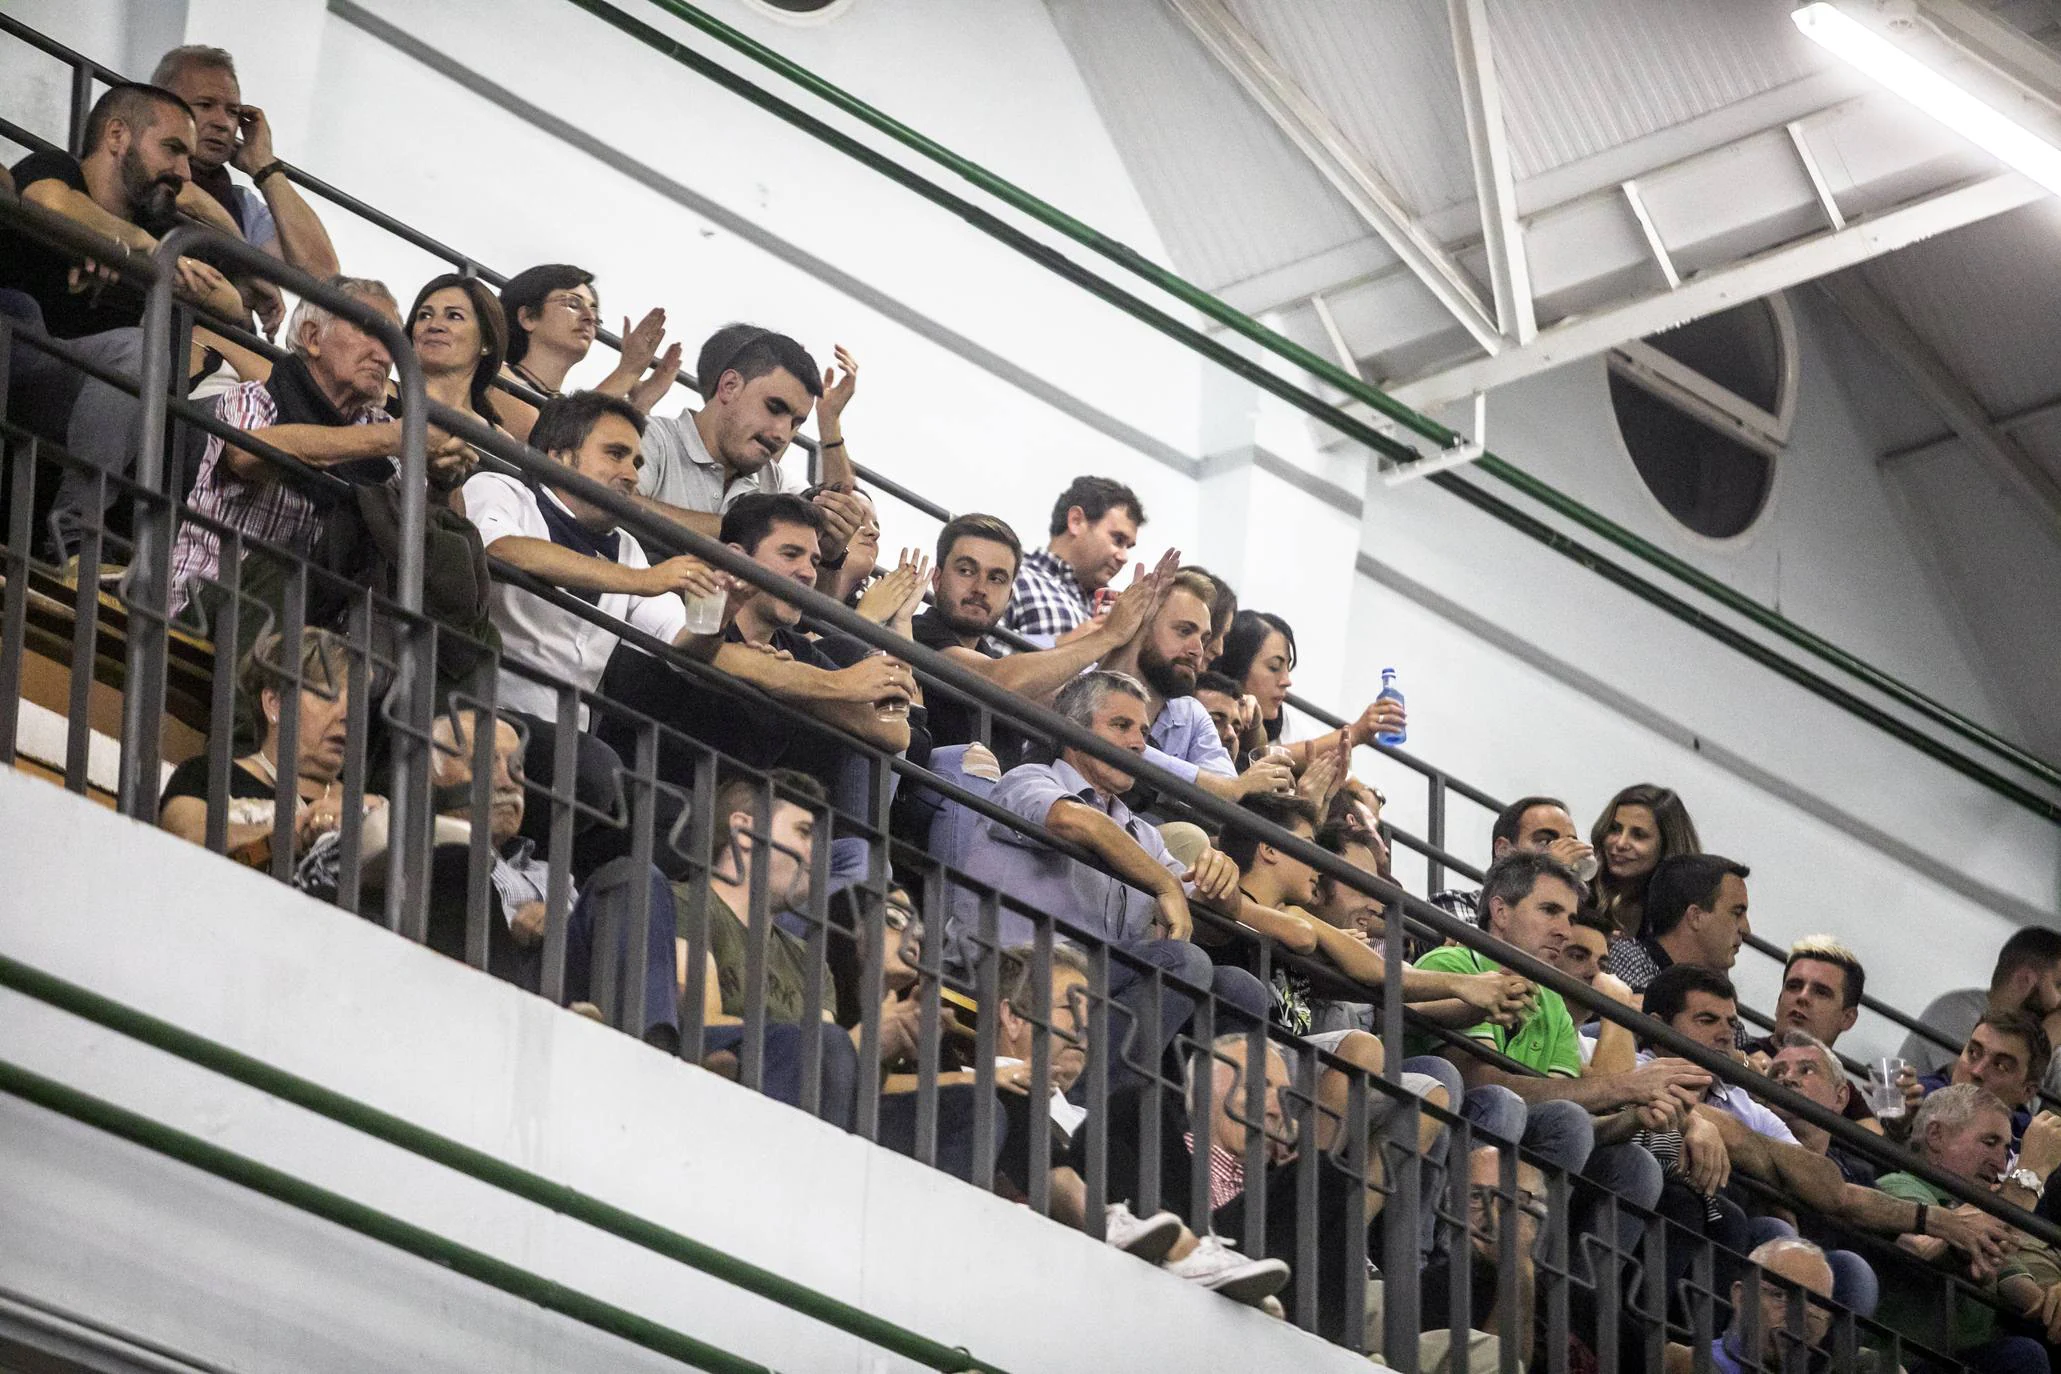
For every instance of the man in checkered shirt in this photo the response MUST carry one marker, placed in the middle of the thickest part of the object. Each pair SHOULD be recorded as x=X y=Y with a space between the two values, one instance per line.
x=1094 y=526
x=323 y=404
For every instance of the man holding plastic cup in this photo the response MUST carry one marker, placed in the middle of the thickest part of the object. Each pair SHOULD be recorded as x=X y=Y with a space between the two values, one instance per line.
x=2005 y=1054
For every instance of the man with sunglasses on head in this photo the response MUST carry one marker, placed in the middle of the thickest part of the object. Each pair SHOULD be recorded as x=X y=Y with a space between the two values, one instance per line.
x=758 y=388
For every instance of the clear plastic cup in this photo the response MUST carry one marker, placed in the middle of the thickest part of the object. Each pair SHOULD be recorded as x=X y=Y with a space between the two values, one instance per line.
x=890 y=708
x=1885 y=1096
x=705 y=613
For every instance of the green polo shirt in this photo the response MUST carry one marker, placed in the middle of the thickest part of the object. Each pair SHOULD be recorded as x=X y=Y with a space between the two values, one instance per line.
x=1546 y=1041
x=1910 y=1300
x=787 y=960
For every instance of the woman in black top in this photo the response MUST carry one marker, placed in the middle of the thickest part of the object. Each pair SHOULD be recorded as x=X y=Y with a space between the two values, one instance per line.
x=317 y=756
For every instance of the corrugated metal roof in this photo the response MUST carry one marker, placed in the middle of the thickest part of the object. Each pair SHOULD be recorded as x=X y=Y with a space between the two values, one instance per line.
x=1580 y=78
x=1231 y=196
x=1385 y=75
x=1988 y=301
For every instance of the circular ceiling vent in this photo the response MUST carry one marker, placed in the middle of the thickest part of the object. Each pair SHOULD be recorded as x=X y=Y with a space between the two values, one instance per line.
x=1704 y=410
x=801 y=11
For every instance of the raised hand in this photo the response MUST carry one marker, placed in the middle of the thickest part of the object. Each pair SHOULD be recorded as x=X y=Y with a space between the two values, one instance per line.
x=642 y=341
x=1137 y=603
x=254 y=144
x=884 y=600
x=840 y=384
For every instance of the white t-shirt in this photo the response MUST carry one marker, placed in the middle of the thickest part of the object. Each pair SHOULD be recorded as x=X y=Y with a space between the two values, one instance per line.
x=541 y=635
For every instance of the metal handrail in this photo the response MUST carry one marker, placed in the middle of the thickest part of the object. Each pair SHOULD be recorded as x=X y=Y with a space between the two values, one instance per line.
x=665 y=533
x=1210 y=306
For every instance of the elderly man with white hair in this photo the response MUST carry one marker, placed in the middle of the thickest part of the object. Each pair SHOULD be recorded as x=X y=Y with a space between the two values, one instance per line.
x=323 y=404
x=1787 y=1272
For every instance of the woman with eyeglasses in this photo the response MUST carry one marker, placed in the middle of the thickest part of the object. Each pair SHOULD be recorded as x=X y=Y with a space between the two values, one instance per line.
x=553 y=318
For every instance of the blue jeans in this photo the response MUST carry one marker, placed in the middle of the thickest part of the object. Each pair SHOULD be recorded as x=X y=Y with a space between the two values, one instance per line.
x=1140 y=1047
x=601 y=919
x=780 y=1069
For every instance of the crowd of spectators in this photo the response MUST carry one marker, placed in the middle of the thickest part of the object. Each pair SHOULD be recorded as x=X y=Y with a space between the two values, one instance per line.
x=566 y=643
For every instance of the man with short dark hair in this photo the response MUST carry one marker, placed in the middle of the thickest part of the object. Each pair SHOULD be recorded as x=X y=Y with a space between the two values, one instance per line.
x=139 y=149
x=1529 y=823
x=1136 y=900
x=1701 y=1004
x=1821 y=997
x=1695 y=914
x=230 y=133
x=2002 y=1055
x=1225 y=703
x=758 y=388
x=977 y=561
x=1095 y=523
x=2027 y=977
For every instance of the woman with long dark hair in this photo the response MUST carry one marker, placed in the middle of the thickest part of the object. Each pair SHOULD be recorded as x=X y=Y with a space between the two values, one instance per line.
x=1642 y=825
x=460 y=336
x=1259 y=655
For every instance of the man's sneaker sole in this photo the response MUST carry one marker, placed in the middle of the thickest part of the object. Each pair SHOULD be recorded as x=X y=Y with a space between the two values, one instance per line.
x=1250 y=1282
x=1155 y=1236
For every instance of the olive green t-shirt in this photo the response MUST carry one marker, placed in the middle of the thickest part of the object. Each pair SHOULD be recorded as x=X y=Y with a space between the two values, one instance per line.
x=786 y=960
x=1546 y=1041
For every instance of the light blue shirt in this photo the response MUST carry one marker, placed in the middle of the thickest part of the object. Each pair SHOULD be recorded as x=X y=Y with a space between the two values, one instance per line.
x=1183 y=740
x=1043 y=880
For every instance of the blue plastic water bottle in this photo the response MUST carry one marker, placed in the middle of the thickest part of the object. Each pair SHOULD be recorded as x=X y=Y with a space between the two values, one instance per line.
x=1391 y=692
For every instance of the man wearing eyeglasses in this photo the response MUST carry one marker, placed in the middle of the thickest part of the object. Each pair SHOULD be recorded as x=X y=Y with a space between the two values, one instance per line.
x=1762 y=1335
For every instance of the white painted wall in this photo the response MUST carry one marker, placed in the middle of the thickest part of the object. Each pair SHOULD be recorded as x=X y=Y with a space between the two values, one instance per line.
x=163 y=1254
x=1526 y=673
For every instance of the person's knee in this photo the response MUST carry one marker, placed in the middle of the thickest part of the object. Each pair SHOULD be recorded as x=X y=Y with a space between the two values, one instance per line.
x=1360 y=1050
x=1628 y=1170
x=1561 y=1132
x=1447 y=1076
x=1495 y=1111
x=1240 y=991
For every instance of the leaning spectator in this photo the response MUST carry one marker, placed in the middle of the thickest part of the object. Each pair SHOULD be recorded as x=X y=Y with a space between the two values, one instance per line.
x=1529 y=823
x=977 y=561
x=2027 y=977
x=1227 y=707
x=139 y=144
x=757 y=389
x=1964 y=1131
x=1527 y=902
x=1805 y=1064
x=2002 y=1056
x=845 y=582
x=553 y=314
x=1641 y=826
x=556 y=536
x=1094 y=525
x=323 y=404
x=230 y=133
x=1695 y=914
x=1223 y=609
x=317 y=758
x=1167 y=656
x=1700 y=1004
x=1139 y=905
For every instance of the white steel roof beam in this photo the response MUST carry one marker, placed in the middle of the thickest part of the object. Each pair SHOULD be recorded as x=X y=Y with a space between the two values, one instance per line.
x=1721 y=288
x=1654 y=244
x=1495 y=188
x=1802 y=143
x=1878 y=322
x=1342 y=164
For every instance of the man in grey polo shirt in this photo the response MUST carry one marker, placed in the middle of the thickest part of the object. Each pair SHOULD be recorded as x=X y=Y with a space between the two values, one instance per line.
x=1135 y=899
x=758 y=388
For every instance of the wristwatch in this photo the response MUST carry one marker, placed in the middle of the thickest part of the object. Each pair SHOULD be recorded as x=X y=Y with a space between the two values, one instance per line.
x=2029 y=1181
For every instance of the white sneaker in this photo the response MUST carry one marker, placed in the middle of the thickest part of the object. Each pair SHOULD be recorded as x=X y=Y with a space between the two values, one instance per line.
x=1217 y=1266
x=1148 y=1239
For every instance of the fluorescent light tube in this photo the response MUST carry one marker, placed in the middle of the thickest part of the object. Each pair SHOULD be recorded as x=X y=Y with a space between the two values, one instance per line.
x=1979 y=123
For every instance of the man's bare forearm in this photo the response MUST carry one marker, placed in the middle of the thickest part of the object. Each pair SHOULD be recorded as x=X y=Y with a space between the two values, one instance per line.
x=303 y=241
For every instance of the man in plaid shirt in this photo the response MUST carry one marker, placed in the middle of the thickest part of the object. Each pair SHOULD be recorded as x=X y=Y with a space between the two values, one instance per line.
x=323 y=404
x=1094 y=526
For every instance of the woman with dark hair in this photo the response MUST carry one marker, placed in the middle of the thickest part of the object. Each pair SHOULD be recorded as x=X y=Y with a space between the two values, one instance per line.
x=1642 y=825
x=1259 y=655
x=460 y=336
x=553 y=316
